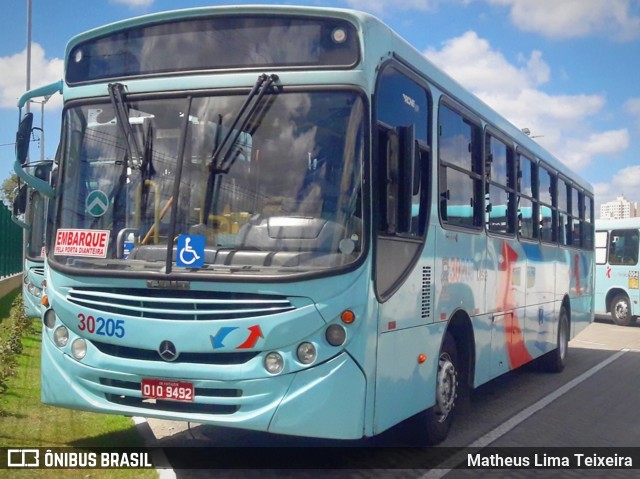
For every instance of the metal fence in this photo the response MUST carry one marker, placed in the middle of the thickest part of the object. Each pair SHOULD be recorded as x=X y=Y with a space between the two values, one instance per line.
x=10 y=244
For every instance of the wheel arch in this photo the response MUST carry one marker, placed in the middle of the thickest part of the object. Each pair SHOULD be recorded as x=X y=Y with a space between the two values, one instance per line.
x=566 y=304
x=461 y=330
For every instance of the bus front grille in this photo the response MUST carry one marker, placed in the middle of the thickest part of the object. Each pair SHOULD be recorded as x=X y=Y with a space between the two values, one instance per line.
x=126 y=352
x=179 y=305
x=38 y=271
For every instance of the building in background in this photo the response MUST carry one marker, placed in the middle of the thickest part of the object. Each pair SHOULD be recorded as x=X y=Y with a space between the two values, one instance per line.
x=619 y=208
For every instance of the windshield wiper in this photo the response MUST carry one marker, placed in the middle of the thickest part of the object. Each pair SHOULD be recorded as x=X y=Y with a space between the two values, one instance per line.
x=221 y=161
x=116 y=94
x=147 y=168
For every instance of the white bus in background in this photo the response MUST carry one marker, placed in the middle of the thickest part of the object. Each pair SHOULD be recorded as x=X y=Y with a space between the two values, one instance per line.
x=617 y=269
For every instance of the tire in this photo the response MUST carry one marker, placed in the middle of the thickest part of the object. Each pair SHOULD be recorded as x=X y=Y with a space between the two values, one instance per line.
x=438 y=419
x=555 y=361
x=621 y=310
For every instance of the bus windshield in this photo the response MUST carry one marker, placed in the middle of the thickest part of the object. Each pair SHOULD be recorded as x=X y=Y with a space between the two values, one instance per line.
x=289 y=199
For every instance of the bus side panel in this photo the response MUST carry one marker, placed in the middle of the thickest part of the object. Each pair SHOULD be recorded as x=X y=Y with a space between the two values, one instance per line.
x=505 y=269
x=404 y=387
x=605 y=279
x=580 y=266
x=542 y=304
x=613 y=280
x=616 y=240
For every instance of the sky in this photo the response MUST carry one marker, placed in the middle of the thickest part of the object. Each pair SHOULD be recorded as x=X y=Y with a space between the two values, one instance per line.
x=567 y=70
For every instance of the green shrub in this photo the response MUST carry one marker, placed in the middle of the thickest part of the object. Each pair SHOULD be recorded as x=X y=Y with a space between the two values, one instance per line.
x=12 y=330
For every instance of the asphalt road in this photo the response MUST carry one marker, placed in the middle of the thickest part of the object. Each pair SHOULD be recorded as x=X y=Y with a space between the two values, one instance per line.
x=593 y=403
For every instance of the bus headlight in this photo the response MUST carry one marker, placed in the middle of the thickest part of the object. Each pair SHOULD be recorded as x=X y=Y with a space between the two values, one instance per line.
x=336 y=335
x=61 y=336
x=274 y=363
x=49 y=318
x=79 y=348
x=307 y=353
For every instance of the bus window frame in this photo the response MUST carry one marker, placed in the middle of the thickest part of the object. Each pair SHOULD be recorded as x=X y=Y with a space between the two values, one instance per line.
x=533 y=198
x=381 y=236
x=553 y=174
x=492 y=132
x=477 y=159
x=611 y=234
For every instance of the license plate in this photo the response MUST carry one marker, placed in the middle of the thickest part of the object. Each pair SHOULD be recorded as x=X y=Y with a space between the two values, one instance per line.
x=166 y=389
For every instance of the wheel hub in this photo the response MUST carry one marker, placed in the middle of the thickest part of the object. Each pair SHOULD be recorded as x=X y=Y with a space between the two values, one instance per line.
x=447 y=387
x=621 y=310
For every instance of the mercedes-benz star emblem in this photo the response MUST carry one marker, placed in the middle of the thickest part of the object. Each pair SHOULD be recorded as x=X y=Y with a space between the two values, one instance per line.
x=168 y=351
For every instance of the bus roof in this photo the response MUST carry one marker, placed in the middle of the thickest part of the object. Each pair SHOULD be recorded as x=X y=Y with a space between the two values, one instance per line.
x=611 y=224
x=380 y=39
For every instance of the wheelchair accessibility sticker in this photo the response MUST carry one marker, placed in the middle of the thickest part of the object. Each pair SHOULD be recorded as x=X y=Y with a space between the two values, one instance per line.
x=190 y=252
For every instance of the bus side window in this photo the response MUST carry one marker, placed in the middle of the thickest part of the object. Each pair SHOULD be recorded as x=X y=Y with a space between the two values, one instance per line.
x=461 y=170
x=564 y=221
x=528 y=207
x=403 y=144
x=623 y=247
x=601 y=247
x=500 y=188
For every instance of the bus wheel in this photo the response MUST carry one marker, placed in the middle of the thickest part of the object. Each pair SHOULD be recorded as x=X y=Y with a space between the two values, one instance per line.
x=439 y=417
x=621 y=310
x=554 y=361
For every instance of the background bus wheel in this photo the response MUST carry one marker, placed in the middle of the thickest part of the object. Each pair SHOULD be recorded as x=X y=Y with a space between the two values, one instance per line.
x=554 y=361
x=621 y=310
x=439 y=417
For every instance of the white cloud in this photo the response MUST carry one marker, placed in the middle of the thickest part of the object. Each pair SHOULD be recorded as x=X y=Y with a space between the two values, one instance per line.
x=579 y=151
x=562 y=19
x=632 y=106
x=627 y=179
x=514 y=90
x=470 y=60
x=625 y=182
x=13 y=78
x=134 y=3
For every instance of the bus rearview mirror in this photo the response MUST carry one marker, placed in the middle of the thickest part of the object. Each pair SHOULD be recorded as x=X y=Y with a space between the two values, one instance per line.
x=20 y=201
x=23 y=138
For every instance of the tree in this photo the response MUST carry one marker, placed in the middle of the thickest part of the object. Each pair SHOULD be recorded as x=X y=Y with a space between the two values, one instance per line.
x=8 y=190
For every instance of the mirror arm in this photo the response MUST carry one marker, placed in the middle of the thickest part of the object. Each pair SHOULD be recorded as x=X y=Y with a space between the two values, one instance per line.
x=36 y=183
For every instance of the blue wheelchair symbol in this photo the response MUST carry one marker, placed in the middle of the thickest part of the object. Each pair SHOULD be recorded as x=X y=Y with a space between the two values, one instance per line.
x=128 y=247
x=190 y=253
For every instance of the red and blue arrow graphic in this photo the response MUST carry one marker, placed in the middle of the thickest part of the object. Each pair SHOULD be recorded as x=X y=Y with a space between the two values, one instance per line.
x=255 y=333
x=217 y=340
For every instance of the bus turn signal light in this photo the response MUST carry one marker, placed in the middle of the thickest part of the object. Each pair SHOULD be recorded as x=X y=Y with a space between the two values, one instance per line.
x=422 y=358
x=347 y=316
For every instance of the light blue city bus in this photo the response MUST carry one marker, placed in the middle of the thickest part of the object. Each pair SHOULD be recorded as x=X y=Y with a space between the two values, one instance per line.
x=617 y=269
x=286 y=219
x=30 y=212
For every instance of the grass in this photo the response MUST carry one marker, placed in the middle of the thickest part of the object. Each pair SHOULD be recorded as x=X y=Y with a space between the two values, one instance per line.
x=27 y=422
x=5 y=303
